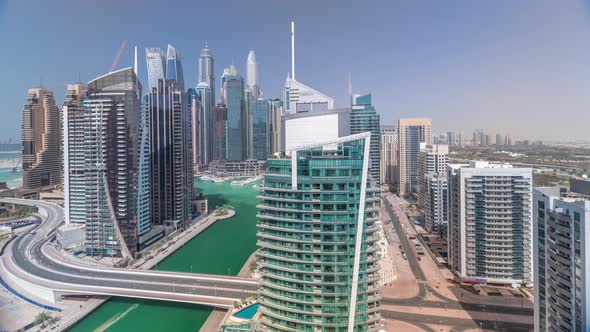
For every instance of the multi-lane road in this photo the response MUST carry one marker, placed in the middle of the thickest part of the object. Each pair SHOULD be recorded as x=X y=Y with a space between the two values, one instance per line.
x=30 y=258
x=445 y=303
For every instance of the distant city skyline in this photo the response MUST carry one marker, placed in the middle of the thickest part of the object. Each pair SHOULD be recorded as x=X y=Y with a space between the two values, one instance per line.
x=466 y=65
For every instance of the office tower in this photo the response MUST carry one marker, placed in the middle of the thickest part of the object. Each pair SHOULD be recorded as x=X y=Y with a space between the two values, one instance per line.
x=490 y=222
x=499 y=140
x=156 y=66
x=318 y=239
x=260 y=130
x=508 y=140
x=41 y=140
x=432 y=159
x=389 y=147
x=252 y=75
x=170 y=159
x=227 y=72
x=306 y=128
x=74 y=154
x=219 y=133
x=174 y=67
x=233 y=94
x=274 y=125
x=561 y=293
x=117 y=171
x=207 y=72
x=461 y=139
x=249 y=109
x=201 y=128
x=363 y=118
x=452 y=138
x=436 y=203
x=298 y=97
x=411 y=133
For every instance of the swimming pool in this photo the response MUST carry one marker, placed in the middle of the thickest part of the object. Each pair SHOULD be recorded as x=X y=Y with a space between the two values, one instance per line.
x=248 y=312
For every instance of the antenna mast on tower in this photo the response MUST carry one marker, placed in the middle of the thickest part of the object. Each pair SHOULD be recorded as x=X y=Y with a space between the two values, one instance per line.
x=293 y=50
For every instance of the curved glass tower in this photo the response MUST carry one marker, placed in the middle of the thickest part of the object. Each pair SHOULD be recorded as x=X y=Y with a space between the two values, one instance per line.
x=318 y=237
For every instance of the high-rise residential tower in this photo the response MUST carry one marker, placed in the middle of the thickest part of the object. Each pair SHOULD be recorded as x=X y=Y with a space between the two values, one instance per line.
x=260 y=130
x=274 y=126
x=170 y=159
x=490 y=222
x=561 y=256
x=432 y=159
x=233 y=94
x=252 y=75
x=318 y=239
x=411 y=133
x=117 y=171
x=207 y=72
x=201 y=115
x=74 y=154
x=389 y=147
x=435 y=203
x=174 y=67
x=41 y=140
x=156 y=66
x=363 y=118
x=218 y=132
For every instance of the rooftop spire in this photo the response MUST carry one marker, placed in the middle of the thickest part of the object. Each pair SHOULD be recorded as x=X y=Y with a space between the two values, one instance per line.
x=293 y=50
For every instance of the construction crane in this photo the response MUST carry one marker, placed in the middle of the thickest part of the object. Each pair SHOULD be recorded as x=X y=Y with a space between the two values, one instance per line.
x=116 y=62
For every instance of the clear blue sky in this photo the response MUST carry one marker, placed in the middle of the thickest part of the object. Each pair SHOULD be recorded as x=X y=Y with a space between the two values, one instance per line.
x=518 y=66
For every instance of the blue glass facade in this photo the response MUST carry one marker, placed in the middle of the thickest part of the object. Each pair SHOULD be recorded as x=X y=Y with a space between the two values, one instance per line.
x=234 y=138
x=260 y=129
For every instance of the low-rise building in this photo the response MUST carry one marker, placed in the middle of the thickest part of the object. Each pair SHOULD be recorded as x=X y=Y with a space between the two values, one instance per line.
x=246 y=168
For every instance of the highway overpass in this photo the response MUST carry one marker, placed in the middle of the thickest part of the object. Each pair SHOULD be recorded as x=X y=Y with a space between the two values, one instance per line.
x=35 y=265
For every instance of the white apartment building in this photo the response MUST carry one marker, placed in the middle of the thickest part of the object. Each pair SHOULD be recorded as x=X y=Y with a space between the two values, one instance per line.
x=490 y=222
x=561 y=225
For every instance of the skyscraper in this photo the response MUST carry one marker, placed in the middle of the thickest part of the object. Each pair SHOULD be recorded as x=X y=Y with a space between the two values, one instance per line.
x=202 y=125
x=174 y=67
x=207 y=72
x=233 y=94
x=432 y=159
x=219 y=133
x=117 y=176
x=561 y=270
x=411 y=133
x=252 y=75
x=435 y=203
x=490 y=222
x=363 y=118
x=156 y=66
x=249 y=109
x=260 y=130
x=318 y=239
x=74 y=154
x=389 y=166
x=41 y=140
x=298 y=97
x=170 y=159
x=274 y=126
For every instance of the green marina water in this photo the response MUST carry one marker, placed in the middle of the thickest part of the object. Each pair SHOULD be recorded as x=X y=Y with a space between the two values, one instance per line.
x=221 y=249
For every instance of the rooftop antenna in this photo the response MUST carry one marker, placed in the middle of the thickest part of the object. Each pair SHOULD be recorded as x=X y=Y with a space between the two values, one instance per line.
x=293 y=50
x=349 y=90
x=135 y=62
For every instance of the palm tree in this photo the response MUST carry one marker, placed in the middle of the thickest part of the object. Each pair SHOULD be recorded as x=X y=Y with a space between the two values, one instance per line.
x=41 y=317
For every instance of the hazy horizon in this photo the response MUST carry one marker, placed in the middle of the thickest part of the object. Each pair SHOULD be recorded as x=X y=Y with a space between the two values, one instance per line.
x=503 y=66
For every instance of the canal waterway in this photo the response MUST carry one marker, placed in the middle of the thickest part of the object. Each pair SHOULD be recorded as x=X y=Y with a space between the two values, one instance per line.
x=221 y=249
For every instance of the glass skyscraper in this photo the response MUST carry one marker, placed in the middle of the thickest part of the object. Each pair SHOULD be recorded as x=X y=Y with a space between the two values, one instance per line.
x=233 y=93
x=114 y=170
x=363 y=118
x=318 y=240
x=207 y=71
x=156 y=67
x=174 y=67
x=170 y=159
x=260 y=130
